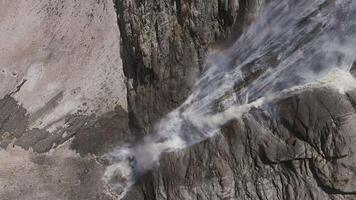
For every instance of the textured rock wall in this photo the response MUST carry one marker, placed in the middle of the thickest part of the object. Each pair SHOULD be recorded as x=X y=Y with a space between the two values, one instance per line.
x=63 y=102
x=307 y=152
x=164 y=44
x=299 y=149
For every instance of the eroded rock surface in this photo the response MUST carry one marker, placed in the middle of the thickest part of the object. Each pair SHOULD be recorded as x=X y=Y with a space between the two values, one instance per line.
x=307 y=152
x=63 y=103
x=300 y=149
x=164 y=47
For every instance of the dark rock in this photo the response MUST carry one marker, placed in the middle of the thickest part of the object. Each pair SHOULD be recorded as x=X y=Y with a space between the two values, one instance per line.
x=164 y=44
x=264 y=157
x=107 y=132
x=300 y=148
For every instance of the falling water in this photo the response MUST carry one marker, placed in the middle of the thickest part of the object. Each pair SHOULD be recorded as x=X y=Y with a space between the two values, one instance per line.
x=292 y=44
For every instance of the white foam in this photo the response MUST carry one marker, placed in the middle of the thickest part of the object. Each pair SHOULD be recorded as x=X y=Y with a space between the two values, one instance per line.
x=243 y=77
x=341 y=80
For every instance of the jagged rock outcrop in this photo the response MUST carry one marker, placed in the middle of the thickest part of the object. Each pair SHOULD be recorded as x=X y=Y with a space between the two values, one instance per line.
x=164 y=44
x=66 y=98
x=305 y=153
x=299 y=149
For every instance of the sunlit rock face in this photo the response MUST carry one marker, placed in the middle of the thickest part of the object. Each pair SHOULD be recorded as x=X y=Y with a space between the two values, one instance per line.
x=62 y=92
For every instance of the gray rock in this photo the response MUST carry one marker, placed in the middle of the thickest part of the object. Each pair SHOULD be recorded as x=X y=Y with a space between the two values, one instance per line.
x=300 y=148
x=264 y=157
x=164 y=44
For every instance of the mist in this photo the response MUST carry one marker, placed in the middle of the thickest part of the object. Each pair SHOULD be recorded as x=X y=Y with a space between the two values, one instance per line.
x=291 y=46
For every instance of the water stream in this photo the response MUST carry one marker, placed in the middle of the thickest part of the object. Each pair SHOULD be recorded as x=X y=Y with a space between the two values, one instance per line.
x=293 y=44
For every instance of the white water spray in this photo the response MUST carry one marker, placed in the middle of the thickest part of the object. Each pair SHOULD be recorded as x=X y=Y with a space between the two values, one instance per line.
x=292 y=45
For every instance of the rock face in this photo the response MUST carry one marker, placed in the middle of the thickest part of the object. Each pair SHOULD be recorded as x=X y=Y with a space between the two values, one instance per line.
x=300 y=149
x=164 y=46
x=306 y=153
x=69 y=93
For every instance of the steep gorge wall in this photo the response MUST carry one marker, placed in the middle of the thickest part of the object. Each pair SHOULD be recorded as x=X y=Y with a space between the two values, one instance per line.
x=164 y=44
x=50 y=137
x=300 y=149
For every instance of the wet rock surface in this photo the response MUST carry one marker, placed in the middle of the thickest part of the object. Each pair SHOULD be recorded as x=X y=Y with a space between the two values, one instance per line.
x=51 y=137
x=306 y=152
x=164 y=46
x=302 y=148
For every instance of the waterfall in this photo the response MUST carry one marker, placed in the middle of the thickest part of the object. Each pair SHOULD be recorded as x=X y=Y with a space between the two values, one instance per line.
x=292 y=45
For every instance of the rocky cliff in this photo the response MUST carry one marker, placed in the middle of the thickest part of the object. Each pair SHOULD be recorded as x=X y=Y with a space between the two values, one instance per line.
x=164 y=44
x=81 y=77
x=300 y=149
